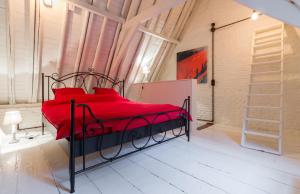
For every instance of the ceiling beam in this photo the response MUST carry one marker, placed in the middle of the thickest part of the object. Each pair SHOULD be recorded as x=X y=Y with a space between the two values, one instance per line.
x=98 y=11
x=157 y=35
x=10 y=14
x=126 y=7
x=165 y=52
x=122 y=51
x=64 y=34
x=131 y=26
x=153 y=11
x=82 y=39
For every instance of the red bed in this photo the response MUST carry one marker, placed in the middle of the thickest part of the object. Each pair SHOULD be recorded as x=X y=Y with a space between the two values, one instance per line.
x=106 y=114
x=107 y=108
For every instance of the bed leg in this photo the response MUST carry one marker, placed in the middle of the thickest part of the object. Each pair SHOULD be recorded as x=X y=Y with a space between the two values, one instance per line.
x=43 y=99
x=43 y=125
x=71 y=154
x=188 y=121
x=43 y=128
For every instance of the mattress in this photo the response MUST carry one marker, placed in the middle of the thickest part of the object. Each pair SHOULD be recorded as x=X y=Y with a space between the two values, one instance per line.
x=114 y=113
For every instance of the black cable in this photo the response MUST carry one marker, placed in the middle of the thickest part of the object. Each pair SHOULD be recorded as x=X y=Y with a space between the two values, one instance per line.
x=34 y=127
x=232 y=23
x=213 y=82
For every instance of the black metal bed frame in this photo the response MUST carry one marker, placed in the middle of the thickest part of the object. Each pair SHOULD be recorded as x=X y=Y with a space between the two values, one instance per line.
x=80 y=147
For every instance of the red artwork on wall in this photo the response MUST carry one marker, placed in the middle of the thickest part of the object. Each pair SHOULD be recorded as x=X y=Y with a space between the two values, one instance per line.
x=192 y=64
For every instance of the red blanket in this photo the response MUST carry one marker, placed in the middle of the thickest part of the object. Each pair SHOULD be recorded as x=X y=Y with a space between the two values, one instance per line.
x=107 y=109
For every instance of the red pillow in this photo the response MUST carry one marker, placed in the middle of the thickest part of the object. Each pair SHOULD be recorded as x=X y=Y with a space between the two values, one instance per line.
x=58 y=92
x=81 y=98
x=105 y=91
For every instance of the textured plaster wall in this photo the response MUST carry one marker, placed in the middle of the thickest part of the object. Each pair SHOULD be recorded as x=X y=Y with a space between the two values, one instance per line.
x=232 y=61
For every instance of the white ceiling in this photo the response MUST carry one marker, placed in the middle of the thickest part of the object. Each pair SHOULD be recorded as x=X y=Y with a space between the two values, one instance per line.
x=282 y=10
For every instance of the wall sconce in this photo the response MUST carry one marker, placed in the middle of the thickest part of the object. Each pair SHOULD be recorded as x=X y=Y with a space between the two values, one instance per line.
x=48 y=3
x=13 y=118
x=254 y=15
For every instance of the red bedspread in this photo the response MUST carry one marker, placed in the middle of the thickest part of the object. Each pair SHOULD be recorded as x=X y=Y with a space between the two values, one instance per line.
x=106 y=109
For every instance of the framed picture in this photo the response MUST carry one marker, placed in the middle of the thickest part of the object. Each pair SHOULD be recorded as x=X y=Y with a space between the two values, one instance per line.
x=192 y=64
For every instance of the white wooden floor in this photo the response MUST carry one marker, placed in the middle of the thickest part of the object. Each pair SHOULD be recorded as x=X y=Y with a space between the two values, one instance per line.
x=213 y=162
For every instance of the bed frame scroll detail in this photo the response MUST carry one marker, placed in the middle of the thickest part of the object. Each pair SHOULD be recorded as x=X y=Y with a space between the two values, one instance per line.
x=152 y=133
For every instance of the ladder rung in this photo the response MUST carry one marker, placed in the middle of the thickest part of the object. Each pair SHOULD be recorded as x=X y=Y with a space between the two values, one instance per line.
x=250 y=132
x=267 y=41
x=269 y=28
x=267 y=62
x=268 y=56
x=260 y=148
x=267 y=44
x=265 y=107
x=265 y=83
x=265 y=72
x=274 y=53
x=269 y=36
x=263 y=120
x=264 y=94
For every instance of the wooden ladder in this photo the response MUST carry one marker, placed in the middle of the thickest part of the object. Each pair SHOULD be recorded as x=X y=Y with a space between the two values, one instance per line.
x=267 y=63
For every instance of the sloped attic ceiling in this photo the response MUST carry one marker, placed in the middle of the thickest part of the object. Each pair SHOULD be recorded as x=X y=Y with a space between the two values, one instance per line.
x=287 y=11
x=120 y=38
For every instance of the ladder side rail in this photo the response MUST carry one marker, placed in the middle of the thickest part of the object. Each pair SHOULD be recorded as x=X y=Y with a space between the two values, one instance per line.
x=245 y=123
x=281 y=91
x=255 y=56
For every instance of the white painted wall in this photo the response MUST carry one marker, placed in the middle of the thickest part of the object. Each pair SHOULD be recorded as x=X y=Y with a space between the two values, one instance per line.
x=3 y=52
x=20 y=14
x=168 y=92
x=232 y=61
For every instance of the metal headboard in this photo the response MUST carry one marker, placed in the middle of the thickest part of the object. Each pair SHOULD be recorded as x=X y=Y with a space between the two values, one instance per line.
x=79 y=79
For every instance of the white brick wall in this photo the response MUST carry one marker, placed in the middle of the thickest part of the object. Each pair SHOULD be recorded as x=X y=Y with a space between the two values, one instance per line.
x=232 y=61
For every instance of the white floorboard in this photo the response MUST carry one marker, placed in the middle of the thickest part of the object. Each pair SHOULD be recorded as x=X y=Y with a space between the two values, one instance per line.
x=213 y=162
